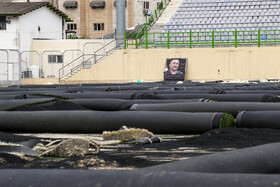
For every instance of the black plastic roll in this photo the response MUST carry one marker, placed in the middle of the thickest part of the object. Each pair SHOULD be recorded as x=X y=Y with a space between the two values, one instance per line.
x=157 y=101
x=71 y=177
x=262 y=159
x=230 y=107
x=252 y=92
x=10 y=96
x=61 y=95
x=217 y=97
x=121 y=104
x=259 y=119
x=103 y=104
x=215 y=91
x=16 y=103
x=8 y=89
x=39 y=86
x=97 y=121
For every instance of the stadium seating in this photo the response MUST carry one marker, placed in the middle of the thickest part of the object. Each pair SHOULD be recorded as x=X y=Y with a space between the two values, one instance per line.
x=223 y=17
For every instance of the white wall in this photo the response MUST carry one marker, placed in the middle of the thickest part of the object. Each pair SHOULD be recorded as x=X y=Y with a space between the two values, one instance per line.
x=50 y=27
x=21 y=31
x=8 y=37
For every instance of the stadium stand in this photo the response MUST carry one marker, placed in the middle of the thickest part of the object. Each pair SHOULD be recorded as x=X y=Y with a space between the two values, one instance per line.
x=225 y=15
x=204 y=22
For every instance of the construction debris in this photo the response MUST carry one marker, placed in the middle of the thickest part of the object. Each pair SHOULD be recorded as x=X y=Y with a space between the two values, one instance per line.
x=130 y=135
x=68 y=148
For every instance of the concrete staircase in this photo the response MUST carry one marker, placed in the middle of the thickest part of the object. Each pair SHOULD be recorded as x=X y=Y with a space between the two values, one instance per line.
x=86 y=61
x=169 y=11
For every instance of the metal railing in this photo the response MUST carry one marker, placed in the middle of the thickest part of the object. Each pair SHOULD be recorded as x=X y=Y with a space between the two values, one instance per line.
x=10 y=66
x=209 y=38
x=85 y=61
x=153 y=17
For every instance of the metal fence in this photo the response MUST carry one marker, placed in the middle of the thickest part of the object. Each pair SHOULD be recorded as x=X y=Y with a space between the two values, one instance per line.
x=9 y=67
x=210 y=39
x=16 y=65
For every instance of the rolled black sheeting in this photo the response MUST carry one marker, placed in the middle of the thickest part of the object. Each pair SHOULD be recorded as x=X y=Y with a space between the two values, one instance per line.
x=97 y=121
x=71 y=177
x=230 y=107
x=151 y=101
x=12 y=96
x=211 y=91
x=121 y=104
x=103 y=104
x=84 y=95
x=259 y=119
x=252 y=92
x=259 y=159
x=54 y=106
x=8 y=89
x=217 y=97
x=16 y=103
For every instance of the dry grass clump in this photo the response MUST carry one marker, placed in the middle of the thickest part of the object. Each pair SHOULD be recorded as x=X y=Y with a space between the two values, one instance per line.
x=68 y=148
x=127 y=134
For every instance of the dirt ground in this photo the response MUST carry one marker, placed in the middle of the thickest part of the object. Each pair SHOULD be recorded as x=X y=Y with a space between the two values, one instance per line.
x=133 y=156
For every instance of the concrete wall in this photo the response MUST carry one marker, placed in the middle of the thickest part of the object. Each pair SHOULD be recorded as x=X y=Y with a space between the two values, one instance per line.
x=203 y=64
x=70 y=49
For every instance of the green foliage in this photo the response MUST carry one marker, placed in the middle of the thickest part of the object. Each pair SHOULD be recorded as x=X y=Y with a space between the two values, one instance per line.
x=227 y=120
x=72 y=36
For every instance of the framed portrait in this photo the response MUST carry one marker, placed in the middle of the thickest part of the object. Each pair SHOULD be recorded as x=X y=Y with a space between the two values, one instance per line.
x=175 y=69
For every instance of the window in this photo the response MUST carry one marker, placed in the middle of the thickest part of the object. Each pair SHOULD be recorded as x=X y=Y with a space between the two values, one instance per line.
x=97 y=4
x=70 y=4
x=55 y=58
x=2 y=22
x=146 y=5
x=71 y=26
x=98 y=26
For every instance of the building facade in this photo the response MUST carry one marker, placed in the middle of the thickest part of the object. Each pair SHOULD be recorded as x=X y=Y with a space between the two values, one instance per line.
x=94 y=18
x=20 y=24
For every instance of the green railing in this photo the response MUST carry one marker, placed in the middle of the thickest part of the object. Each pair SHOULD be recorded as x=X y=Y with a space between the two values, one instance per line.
x=153 y=17
x=211 y=38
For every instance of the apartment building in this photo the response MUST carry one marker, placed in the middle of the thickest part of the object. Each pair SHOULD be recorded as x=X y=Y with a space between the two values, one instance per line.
x=94 y=18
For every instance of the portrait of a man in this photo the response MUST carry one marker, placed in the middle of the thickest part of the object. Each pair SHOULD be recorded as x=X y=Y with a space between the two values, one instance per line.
x=175 y=69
